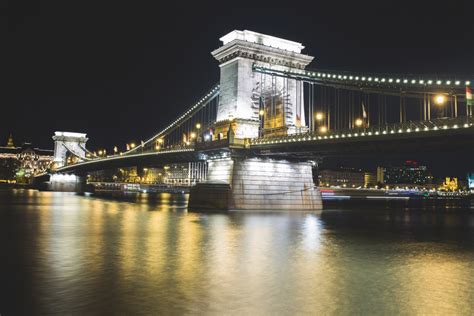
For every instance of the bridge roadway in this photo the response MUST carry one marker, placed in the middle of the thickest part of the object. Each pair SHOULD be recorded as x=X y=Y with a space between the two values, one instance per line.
x=450 y=135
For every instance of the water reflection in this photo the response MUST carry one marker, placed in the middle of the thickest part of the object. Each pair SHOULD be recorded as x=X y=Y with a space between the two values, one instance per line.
x=146 y=254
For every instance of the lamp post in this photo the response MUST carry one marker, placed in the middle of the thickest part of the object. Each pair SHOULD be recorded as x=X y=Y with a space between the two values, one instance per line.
x=319 y=116
x=440 y=100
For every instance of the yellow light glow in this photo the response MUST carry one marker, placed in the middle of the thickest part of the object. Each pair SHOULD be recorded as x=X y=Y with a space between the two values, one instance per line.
x=132 y=145
x=440 y=99
x=319 y=116
x=261 y=112
x=193 y=135
x=359 y=122
x=198 y=125
x=323 y=129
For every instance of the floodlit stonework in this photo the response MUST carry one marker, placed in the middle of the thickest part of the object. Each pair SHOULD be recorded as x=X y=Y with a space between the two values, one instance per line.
x=244 y=92
x=68 y=143
x=257 y=184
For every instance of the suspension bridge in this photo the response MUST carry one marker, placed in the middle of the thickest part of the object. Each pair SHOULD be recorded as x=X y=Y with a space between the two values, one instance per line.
x=260 y=129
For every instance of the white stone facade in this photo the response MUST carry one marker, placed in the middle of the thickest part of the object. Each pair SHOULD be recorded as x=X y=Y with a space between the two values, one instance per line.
x=65 y=142
x=242 y=90
x=265 y=184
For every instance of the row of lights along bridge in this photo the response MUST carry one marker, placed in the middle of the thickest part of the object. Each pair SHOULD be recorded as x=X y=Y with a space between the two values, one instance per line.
x=319 y=117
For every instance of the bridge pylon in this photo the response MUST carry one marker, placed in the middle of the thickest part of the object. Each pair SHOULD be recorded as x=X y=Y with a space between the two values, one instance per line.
x=68 y=143
x=259 y=104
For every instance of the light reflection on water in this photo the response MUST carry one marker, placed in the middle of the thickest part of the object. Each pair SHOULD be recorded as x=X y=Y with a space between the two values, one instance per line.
x=143 y=254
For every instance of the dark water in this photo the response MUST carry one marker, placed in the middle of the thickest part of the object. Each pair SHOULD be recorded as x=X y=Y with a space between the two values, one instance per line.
x=63 y=253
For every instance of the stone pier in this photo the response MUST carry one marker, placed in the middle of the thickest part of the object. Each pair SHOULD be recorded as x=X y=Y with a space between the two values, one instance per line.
x=62 y=183
x=256 y=184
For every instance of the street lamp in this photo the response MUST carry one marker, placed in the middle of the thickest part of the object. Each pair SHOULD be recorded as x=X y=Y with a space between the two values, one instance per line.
x=359 y=122
x=440 y=99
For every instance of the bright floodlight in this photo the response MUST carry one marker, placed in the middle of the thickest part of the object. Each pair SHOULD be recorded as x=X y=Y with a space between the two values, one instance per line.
x=323 y=129
x=319 y=116
x=358 y=122
x=198 y=125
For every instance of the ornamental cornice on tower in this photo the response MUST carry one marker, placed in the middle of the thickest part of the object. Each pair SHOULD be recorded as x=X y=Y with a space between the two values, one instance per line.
x=261 y=47
x=70 y=136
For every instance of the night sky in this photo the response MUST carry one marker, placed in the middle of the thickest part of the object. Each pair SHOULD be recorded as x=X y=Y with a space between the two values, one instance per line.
x=120 y=71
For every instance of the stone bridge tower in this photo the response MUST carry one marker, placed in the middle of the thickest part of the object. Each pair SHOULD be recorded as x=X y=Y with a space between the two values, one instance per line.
x=244 y=93
x=68 y=143
x=252 y=183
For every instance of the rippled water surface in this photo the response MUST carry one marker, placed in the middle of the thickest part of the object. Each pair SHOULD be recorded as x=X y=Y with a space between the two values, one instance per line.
x=64 y=253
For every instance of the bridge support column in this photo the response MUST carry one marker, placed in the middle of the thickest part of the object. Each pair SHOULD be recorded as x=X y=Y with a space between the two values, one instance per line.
x=256 y=184
x=64 y=183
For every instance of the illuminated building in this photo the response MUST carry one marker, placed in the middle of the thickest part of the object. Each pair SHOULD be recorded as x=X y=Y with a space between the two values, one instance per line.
x=410 y=173
x=343 y=177
x=20 y=164
x=450 y=184
x=470 y=181
x=185 y=174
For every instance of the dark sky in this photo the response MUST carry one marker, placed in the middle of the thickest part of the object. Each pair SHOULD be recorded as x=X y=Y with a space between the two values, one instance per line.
x=120 y=71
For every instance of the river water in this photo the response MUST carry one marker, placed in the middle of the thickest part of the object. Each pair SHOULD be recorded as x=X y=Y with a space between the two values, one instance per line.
x=143 y=254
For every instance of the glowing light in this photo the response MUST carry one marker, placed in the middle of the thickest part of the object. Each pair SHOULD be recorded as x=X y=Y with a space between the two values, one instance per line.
x=323 y=129
x=359 y=122
x=261 y=112
x=193 y=135
x=198 y=125
x=319 y=116
x=440 y=99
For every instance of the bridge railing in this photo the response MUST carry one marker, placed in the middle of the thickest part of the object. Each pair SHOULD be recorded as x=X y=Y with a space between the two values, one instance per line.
x=395 y=128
